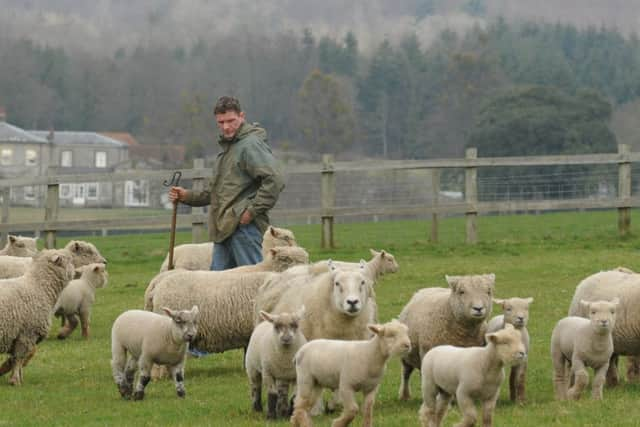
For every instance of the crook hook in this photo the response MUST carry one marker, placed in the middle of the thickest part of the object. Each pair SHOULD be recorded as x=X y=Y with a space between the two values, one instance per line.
x=175 y=180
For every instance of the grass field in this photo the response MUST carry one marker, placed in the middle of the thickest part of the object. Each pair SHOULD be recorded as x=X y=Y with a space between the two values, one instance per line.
x=69 y=382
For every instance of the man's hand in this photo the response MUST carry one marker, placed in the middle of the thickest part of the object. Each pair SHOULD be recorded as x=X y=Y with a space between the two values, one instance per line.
x=246 y=217
x=177 y=194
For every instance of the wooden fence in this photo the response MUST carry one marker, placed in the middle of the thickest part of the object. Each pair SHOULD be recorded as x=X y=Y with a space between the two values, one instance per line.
x=327 y=212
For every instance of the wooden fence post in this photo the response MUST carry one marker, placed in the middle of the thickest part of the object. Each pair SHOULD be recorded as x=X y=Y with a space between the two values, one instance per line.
x=328 y=197
x=435 y=201
x=197 y=225
x=624 y=190
x=51 y=214
x=471 y=195
x=6 y=193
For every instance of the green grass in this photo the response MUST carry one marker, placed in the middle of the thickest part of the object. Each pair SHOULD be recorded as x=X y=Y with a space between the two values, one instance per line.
x=69 y=382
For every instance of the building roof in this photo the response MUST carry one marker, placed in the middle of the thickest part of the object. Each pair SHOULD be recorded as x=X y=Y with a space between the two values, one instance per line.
x=163 y=153
x=125 y=137
x=80 y=138
x=10 y=133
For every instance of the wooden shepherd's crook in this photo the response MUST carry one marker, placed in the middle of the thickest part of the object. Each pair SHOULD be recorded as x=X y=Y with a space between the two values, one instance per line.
x=175 y=180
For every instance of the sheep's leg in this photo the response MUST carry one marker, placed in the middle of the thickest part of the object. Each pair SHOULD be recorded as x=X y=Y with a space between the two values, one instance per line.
x=559 y=375
x=7 y=365
x=272 y=394
x=177 y=373
x=405 y=389
x=255 y=382
x=633 y=369
x=129 y=374
x=69 y=327
x=581 y=379
x=282 y=406
x=521 y=379
x=442 y=406
x=306 y=396
x=349 y=410
x=612 y=373
x=23 y=350
x=429 y=408
x=159 y=372
x=468 y=409
x=598 y=381
x=16 y=377
x=84 y=323
x=144 y=366
x=488 y=407
x=367 y=409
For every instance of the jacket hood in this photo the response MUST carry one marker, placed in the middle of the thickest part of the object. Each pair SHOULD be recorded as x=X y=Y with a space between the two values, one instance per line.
x=245 y=130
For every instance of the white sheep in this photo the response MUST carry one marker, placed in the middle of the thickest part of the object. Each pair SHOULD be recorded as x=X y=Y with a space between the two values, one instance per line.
x=437 y=316
x=78 y=297
x=604 y=286
x=82 y=253
x=516 y=313
x=26 y=303
x=20 y=246
x=269 y=360
x=381 y=263
x=346 y=366
x=140 y=338
x=469 y=374
x=198 y=256
x=580 y=343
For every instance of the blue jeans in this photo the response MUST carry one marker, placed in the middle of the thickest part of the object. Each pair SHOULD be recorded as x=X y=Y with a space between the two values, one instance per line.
x=243 y=247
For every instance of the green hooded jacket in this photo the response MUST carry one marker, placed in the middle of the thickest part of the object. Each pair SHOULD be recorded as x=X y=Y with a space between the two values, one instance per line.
x=245 y=176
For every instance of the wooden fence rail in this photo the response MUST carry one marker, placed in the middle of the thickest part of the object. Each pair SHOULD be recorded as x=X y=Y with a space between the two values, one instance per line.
x=328 y=211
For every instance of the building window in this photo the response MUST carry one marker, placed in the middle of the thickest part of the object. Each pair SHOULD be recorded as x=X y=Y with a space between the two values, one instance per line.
x=136 y=193
x=64 y=191
x=30 y=157
x=6 y=156
x=29 y=192
x=92 y=190
x=66 y=159
x=101 y=159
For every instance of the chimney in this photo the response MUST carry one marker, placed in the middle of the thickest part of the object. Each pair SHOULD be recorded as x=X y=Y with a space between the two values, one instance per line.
x=3 y=114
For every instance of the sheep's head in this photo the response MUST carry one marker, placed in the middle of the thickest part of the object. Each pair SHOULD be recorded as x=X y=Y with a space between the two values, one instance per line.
x=508 y=343
x=286 y=326
x=21 y=246
x=55 y=261
x=394 y=338
x=285 y=257
x=185 y=323
x=516 y=310
x=387 y=262
x=84 y=253
x=602 y=314
x=471 y=296
x=351 y=291
x=278 y=237
x=95 y=273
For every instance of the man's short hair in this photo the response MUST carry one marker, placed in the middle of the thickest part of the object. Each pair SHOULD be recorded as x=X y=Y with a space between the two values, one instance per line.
x=227 y=103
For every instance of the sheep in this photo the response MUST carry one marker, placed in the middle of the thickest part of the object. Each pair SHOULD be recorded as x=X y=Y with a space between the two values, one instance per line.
x=269 y=360
x=20 y=246
x=381 y=263
x=198 y=256
x=346 y=366
x=604 y=286
x=82 y=253
x=516 y=313
x=437 y=316
x=140 y=338
x=278 y=259
x=580 y=342
x=78 y=297
x=468 y=374
x=26 y=303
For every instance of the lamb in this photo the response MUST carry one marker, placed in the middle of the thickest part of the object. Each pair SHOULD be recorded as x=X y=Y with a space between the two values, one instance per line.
x=472 y=373
x=140 y=338
x=381 y=263
x=20 y=246
x=604 y=286
x=580 y=342
x=26 y=303
x=78 y=297
x=82 y=253
x=269 y=360
x=198 y=256
x=437 y=316
x=516 y=313
x=346 y=366
x=278 y=259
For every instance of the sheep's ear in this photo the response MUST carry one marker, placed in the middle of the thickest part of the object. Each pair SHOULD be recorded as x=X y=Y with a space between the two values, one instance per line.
x=168 y=311
x=376 y=329
x=452 y=281
x=301 y=311
x=585 y=304
x=56 y=259
x=266 y=316
x=96 y=268
x=195 y=310
x=383 y=254
x=373 y=252
x=76 y=246
x=498 y=301
x=273 y=231
x=12 y=238
x=615 y=301
x=493 y=338
x=529 y=300
x=491 y=278
x=273 y=252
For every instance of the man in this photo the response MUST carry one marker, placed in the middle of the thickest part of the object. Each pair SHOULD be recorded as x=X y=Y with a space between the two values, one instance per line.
x=245 y=185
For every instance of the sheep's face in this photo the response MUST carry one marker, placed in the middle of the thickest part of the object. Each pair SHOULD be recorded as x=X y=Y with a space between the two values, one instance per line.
x=388 y=262
x=602 y=314
x=185 y=323
x=285 y=257
x=84 y=253
x=350 y=291
x=471 y=296
x=286 y=326
x=279 y=237
x=509 y=346
x=394 y=338
x=21 y=246
x=516 y=310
